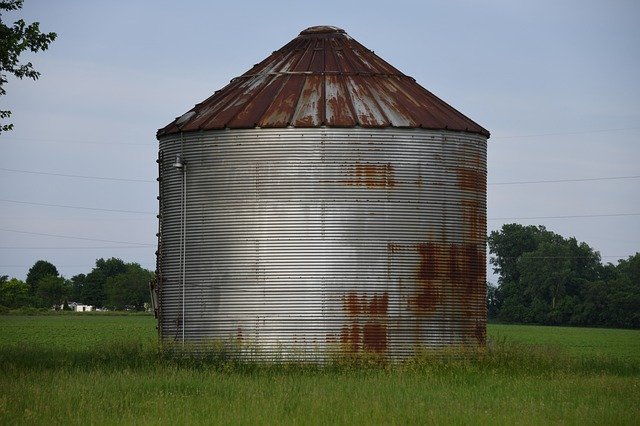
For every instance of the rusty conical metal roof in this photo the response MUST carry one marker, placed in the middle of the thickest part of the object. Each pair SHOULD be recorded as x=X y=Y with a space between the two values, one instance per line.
x=323 y=77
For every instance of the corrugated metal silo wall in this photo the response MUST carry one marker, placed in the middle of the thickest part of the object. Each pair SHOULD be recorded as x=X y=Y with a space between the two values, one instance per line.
x=306 y=242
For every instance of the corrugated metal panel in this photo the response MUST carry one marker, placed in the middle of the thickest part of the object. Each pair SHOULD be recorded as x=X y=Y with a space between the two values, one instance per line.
x=323 y=78
x=309 y=242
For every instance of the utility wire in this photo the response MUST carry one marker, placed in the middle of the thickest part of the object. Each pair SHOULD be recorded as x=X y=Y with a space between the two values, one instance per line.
x=575 y=132
x=57 y=266
x=564 y=217
x=563 y=180
x=75 y=176
x=153 y=181
x=558 y=257
x=85 y=142
x=76 y=207
x=579 y=132
x=153 y=213
x=77 y=238
x=74 y=248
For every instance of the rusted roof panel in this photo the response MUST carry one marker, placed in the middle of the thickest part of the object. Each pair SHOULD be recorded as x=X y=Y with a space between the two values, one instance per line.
x=323 y=77
x=337 y=102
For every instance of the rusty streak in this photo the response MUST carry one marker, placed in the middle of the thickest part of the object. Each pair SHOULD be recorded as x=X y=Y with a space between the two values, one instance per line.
x=371 y=176
x=367 y=328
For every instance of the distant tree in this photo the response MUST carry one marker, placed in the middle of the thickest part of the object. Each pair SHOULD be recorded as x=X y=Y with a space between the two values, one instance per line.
x=508 y=245
x=93 y=290
x=93 y=287
x=14 y=293
x=548 y=279
x=39 y=270
x=631 y=268
x=77 y=286
x=545 y=276
x=53 y=291
x=129 y=290
x=14 y=40
x=625 y=293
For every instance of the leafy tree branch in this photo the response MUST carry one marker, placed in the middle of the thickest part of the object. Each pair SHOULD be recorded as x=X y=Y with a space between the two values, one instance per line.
x=14 y=40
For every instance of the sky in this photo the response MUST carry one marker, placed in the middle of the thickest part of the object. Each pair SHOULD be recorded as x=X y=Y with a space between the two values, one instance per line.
x=556 y=83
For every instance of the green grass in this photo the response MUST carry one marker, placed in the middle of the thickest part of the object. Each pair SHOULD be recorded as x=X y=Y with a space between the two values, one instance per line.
x=75 y=332
x=587 y=342
x=107 y=370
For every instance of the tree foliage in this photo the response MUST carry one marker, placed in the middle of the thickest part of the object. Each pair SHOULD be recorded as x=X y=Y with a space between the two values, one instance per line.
x=548 y=279
x=77 y=285
x=114 y=284
x=15 y=40
x=93 y=289
x=39 y=270
x=53 y=291
x=129 y=290
x=14 y=293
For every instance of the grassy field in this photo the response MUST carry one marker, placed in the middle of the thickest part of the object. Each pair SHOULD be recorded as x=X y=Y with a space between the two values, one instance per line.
x=107 y=369
x=586 y=342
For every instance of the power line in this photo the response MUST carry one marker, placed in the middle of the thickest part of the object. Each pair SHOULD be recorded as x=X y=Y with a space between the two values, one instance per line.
x=75 y=176
x=564 y=217
x=563 y=180
x=85 y=142
x=82 y=142
x=558 y=257
x=579 y=132
x=153 y=181
x=76 y=238
x=153 y=213
x=74 y=248
x=76 y=207
x=57 y=266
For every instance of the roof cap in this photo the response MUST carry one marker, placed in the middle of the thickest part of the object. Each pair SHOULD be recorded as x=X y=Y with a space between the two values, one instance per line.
x=323 y=78
x=323 y=29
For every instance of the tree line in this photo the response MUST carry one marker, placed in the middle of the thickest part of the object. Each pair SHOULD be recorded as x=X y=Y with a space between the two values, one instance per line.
x=111 y=284
x=545 y=278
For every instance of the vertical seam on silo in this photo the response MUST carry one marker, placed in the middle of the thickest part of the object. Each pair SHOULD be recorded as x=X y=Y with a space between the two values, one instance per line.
x=323 y=87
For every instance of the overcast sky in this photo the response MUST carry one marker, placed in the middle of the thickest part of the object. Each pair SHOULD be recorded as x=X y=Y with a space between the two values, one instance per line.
x=556 y=83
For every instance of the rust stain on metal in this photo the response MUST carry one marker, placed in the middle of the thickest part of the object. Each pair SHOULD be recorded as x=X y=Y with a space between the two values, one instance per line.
x=471 y=179
x=367 y=328
x=323 y=78
x=375 y=328
x=393 y=247
x=375 y=336
x=475 y=219
x=352 y=304
x=475 y=262
x=456 y=272
x=371 y=176
x=425 y=299
x=466 y=273
x=350 y=337
x=447 y=274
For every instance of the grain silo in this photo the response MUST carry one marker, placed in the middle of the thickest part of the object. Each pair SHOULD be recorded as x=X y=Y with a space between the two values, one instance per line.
x=322 y=202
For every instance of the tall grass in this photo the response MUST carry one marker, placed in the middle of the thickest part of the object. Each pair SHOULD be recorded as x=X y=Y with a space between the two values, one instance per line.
x=50 y=376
